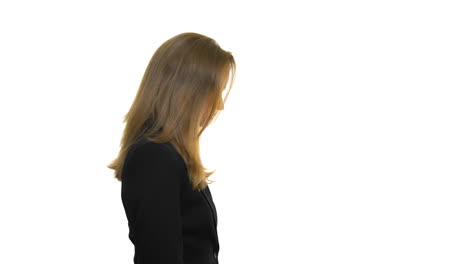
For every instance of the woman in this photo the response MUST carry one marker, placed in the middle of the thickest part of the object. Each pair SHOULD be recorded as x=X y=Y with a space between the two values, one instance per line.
x=171 y=215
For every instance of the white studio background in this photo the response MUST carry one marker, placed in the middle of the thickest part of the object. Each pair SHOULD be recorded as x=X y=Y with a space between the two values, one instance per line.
x=343 y=140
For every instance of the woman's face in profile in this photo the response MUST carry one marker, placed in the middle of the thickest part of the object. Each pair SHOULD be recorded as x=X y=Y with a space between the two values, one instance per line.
x=207 y=107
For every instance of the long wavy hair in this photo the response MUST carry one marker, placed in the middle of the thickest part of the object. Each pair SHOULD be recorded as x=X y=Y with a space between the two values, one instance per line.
x=178 y=97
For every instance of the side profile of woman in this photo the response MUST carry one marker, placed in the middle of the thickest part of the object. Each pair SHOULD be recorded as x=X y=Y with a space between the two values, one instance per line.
x=171 y=215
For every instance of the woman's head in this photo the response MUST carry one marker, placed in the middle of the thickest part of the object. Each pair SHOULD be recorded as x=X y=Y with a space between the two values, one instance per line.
x=180 y=94
x=184 y=82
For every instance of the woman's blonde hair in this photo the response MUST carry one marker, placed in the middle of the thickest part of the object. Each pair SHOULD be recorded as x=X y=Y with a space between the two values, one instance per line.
x=187 y=73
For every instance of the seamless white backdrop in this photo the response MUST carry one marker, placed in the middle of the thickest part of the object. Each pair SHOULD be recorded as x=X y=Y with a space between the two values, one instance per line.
x=343 y=140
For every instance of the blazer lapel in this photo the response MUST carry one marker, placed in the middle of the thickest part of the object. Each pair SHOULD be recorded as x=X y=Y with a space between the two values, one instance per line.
x=213 y=207
x=207 y=194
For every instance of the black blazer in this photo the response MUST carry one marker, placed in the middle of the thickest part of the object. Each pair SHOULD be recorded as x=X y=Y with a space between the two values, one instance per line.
x=169 y=223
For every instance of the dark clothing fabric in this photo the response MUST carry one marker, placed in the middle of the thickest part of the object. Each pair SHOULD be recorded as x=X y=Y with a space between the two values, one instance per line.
x=169 y=223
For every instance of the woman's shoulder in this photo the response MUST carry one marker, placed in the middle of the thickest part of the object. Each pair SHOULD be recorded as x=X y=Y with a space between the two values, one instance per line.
x=148 y=167
x=147 y=158
x=145 y=148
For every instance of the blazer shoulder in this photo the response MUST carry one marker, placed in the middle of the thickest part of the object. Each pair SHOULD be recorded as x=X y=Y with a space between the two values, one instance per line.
x=149 y=161
x=146 y=149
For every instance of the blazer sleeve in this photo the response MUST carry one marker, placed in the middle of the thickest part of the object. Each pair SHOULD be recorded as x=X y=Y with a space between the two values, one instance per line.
x=152 y=204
